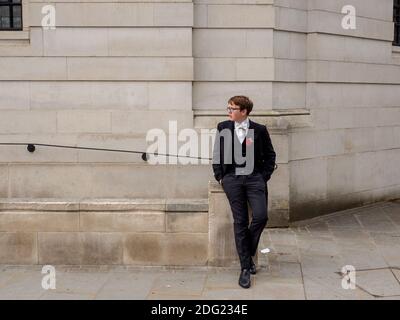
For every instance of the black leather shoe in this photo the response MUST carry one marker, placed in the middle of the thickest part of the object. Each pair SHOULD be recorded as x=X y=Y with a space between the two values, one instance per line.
x=253 y=269
x=244 y=279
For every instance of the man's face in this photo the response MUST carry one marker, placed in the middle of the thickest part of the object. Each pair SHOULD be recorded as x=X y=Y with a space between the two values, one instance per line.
x=235 y=114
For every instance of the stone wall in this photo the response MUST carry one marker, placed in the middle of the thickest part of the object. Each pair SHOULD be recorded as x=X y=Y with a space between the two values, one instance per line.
x=108 y=73
x=86 y=232
x=112 y=70
x=349 y=156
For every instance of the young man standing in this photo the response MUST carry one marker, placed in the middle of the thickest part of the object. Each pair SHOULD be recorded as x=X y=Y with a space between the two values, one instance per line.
x=243 y=162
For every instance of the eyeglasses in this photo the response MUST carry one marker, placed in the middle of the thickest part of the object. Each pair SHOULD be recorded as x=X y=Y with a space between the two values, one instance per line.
x=230 y=109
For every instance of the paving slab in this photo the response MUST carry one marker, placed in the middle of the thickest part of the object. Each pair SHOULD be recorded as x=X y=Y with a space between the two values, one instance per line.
x=179 y=283
x=379 y=282
x=25 y=285
x=127 y=286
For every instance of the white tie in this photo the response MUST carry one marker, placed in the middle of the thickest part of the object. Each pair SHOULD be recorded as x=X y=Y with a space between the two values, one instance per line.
x=241 y=132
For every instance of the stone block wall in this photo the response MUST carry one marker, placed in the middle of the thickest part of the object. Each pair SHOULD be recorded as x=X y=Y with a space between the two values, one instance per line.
x=77 y=232
x=328 y=95
x=348 y=156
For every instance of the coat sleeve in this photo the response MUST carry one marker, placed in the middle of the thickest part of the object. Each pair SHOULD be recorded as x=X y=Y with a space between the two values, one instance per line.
x=268 y=155
x=216 y=161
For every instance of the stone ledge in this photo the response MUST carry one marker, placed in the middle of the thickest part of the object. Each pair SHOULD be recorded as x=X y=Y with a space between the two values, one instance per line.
x=278 y=121
x=14 y=35
x=257 y=113
x=38 y=204
x=104 y=215
x=184 y=205
x=44 y=204
x=122 y=204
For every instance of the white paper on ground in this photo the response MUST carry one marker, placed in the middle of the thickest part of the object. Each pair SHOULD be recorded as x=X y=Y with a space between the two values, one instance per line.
x=266 y=250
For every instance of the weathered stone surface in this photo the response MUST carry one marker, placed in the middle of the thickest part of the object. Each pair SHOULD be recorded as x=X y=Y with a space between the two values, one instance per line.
x=221 y=247
x=121 y=204
x=387 y=285
x=131 y=221
x=80 y=248
x=108 y=180
x=28 y=221
x=18 y=248
x=39 y=204
x=180 y=283
x=126 y=14
x=165 y=248
x=187 y=222
x=3 y=181
x=194 y=205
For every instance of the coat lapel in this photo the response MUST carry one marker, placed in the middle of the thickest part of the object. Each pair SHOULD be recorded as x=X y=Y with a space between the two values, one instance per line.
x=252 y=126
x=232 y=126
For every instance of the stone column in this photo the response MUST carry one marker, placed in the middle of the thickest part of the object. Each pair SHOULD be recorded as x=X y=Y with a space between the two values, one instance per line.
x=221 y=244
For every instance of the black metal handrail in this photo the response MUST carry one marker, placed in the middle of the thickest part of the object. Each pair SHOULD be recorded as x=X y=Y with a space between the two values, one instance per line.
x=31 y=147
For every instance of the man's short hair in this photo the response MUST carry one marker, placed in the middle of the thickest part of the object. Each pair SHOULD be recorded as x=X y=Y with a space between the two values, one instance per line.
x=242 y=102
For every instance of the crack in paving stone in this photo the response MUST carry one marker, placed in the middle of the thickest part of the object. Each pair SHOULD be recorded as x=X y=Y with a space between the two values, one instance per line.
x=397 y=281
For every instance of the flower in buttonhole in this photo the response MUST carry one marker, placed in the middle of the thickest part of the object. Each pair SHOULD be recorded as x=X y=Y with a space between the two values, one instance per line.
x=249 y=141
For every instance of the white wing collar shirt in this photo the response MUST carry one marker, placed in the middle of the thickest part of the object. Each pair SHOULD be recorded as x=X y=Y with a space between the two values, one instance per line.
x=241 y=129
